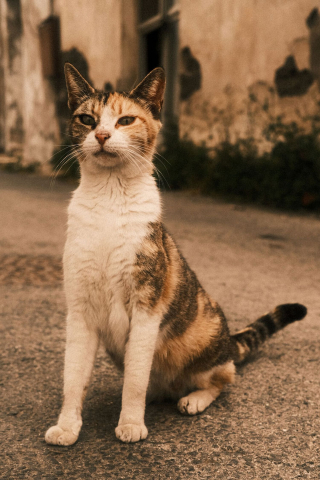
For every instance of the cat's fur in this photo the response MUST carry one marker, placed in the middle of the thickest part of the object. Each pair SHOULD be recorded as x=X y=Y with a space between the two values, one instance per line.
x=127 y=284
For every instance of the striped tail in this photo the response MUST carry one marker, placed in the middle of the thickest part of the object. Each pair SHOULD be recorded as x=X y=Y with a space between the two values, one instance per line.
x=248 y=340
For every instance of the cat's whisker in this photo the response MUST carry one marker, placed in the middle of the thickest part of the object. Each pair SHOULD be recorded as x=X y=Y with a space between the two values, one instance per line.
x=164 y=166
x=132 y=158
x=72 y=163
x=138 y=156
x=161 y=177
x=63 y=162
x=67 y=147
x=159 y=158
x=158 y=155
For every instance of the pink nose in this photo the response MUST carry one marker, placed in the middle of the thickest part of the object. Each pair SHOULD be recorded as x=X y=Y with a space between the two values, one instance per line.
x=102 y=137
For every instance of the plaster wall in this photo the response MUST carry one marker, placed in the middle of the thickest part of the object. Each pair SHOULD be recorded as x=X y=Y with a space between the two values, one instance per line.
x=29 y=121
x=41 y=130
x=94 y=28
x=105 y=34
x=11 y=46
x=239 y=46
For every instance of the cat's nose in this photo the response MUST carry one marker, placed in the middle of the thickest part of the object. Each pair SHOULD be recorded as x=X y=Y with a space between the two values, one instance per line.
x=102 y=137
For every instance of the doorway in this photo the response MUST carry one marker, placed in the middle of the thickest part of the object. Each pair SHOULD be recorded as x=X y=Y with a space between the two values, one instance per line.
x=159 y=46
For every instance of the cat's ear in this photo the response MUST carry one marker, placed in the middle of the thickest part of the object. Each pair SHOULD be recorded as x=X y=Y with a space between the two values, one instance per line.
x=151 y=90
x=78 y=88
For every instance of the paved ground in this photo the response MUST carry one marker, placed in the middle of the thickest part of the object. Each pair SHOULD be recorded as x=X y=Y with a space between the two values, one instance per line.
x=265 y=426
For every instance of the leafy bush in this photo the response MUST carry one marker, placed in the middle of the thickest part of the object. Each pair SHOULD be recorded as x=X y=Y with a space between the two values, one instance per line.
x=186 y=164
x=293 y=168
x=235 y=170
x=286 y=177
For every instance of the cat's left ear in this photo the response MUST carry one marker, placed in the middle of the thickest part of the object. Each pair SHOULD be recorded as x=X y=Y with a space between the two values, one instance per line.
x=78 y=88
x=151 y=90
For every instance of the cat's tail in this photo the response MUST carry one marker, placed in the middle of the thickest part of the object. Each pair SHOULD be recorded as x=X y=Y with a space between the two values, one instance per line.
x=247 y=341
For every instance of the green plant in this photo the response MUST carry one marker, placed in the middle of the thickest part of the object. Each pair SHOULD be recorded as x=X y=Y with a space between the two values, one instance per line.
x=288 y=176
x=185 y=164
x=293 y=167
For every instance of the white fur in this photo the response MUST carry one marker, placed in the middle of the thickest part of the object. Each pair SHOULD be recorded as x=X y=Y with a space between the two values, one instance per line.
x=138 y=362
x=197 y=401
x=108 y=220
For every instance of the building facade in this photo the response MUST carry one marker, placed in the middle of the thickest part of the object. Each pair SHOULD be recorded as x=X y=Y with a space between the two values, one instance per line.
x=232 y=66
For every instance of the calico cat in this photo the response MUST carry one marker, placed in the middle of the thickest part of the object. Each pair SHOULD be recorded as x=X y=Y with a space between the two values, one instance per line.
x=127 y=285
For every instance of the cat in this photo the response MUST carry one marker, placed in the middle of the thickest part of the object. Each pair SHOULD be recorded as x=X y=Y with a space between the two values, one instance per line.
x=127 y=285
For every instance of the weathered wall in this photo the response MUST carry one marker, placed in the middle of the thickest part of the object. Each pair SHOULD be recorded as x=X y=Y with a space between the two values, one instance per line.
x=94 y=28
x=11 y=33
x=239 y=46
x=41 y=131
x=100 y=34
x=30 y=125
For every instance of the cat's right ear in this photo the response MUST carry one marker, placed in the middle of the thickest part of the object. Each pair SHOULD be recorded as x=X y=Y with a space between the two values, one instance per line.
x=151 y=90
x=78 y=88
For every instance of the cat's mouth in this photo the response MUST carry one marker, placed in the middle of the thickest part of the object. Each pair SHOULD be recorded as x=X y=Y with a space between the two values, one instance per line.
x=105 y=153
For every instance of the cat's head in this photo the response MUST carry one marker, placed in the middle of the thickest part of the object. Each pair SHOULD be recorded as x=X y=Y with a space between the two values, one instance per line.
x=115 y=130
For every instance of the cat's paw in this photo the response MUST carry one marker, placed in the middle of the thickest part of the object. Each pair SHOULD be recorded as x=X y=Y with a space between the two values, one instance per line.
x=131 y=432
x=57 y=436
x=191 y=405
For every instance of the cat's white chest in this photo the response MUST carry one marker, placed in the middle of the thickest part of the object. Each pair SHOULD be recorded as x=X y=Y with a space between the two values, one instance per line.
x=105 y=233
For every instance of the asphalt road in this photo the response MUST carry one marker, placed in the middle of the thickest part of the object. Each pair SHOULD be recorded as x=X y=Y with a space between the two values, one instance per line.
x=265 y=426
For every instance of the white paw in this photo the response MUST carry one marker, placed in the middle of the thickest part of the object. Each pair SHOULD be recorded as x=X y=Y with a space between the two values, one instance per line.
x=57 y=436
x=131 y=432
x=191 y=405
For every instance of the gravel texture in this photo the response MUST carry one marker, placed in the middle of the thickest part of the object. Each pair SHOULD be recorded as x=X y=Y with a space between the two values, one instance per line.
x=265 y=426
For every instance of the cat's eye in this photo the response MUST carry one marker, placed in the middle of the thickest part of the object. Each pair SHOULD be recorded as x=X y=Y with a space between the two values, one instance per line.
x=87 y=120
x=126 y=120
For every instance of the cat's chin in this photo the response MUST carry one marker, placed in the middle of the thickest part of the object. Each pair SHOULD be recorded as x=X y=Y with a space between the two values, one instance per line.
x=105 y=154
x=107 y=159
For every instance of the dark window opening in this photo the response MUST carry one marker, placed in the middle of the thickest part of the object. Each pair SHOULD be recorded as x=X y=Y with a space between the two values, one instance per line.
x=170 y=3
x=159 y=45
x=153 y=49
x=148 y=9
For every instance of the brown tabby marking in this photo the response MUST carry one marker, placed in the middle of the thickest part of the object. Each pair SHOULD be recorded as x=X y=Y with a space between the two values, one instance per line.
x=181 y=350
x=193 y=326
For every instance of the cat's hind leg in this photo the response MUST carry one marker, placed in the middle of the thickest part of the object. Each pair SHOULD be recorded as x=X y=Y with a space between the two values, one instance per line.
x=198 y=401
x=208 y=387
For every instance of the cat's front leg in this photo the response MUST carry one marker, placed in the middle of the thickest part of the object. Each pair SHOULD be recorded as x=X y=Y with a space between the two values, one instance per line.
x=81 y=347
x=138 y=361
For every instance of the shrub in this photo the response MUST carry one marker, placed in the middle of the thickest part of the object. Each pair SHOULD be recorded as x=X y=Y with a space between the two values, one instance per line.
x=286 y=177
x=182 y=163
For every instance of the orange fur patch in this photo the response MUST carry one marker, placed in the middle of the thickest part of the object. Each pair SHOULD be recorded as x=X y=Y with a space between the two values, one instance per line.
x=174 y=354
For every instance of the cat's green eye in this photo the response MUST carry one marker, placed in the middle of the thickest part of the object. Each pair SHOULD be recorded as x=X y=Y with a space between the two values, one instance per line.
x=87 y=120
x=126 y=120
